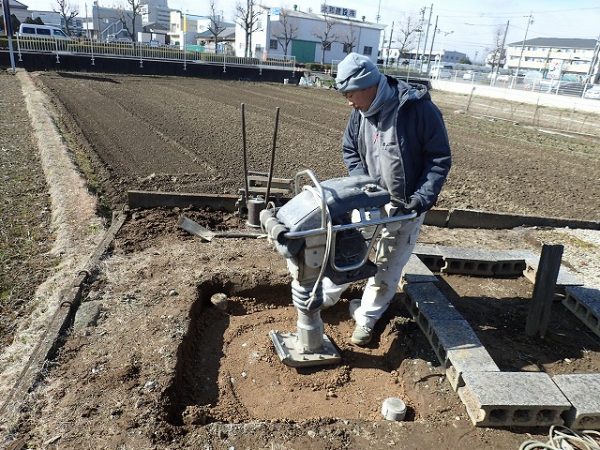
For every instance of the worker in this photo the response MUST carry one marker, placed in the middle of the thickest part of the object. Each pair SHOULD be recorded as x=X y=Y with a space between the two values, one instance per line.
x=396 y=135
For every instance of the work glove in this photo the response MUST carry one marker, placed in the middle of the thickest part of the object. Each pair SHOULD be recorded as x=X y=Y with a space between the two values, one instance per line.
x=413 y=205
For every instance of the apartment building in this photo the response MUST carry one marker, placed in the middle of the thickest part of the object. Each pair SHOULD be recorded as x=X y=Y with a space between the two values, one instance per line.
x=556 y=57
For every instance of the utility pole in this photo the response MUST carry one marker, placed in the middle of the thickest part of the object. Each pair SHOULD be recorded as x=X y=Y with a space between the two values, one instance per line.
x=529 y=22
x=493 y=80
x=378 y=12
x=422 y=11
x=593 y=62
x=431 y=48
x=387 y=57
x=9 y=33
x=426 y=36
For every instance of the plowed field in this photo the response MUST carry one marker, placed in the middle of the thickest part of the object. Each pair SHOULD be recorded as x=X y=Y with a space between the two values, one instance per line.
x=185 y=135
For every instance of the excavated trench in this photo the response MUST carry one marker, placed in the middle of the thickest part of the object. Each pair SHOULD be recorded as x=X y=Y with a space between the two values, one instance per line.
x=227 y=369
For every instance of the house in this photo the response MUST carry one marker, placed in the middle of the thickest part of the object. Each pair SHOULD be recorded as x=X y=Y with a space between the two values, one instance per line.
x=106 y=24
x=555 y=57
x=18 y=9
x=307 y=36
x=225 y=40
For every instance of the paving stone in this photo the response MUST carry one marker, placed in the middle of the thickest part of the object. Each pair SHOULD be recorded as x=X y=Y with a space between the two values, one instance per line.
x=583 y=391
x=565 y=276
x=427 y=303
x=584 y=302
x=459 y=349
x=416 y=271
x=512 y=399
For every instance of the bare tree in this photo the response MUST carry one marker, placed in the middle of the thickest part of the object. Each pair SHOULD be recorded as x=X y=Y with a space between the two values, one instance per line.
x=216 y=26
x=247 y=17
x=326 y=36
x=407 y=34
x=128 y=17
x=349 y=39
x=288 y=31
x=497 y=53
x=67 y=13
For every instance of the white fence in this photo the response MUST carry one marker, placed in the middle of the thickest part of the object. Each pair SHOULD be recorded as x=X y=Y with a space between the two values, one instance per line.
x=141 y=52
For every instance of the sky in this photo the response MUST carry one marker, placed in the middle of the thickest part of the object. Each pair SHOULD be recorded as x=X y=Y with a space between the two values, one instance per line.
x=468 y=26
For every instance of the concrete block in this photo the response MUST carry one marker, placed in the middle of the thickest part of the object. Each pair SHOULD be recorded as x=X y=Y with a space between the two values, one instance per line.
x=584 y=302
x=468 y=267
x=459 y=349
x=471 y=218
x=522 y=399
x=427 y=303
x=416 y=271
x=430 y=255
x=565 y=276
x=436 y=217
x=478 y=262
x=583 y=391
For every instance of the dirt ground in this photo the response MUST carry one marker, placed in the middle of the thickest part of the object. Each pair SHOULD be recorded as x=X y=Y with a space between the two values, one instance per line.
x=162 y=368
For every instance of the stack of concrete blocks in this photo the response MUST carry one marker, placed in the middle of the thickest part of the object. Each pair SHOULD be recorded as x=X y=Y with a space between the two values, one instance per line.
x=493 y=397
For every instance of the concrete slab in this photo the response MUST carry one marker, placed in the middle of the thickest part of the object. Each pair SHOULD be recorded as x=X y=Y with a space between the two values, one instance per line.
x=459 y=349
x=584 y=302
x=416 y=271
x=522 y=399
x=583 y=391
x=565 y=276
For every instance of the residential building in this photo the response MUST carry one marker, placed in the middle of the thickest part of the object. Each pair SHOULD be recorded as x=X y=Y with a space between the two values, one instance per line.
x=48 y=17
x=442 y=56
x=184 y=29
x=105 y=24
x=156 y=14
x=18 y=9
x=225 y=39
x=556 y=57
x=310 y=37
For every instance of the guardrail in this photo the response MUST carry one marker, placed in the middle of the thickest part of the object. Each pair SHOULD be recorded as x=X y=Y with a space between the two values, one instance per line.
x=142 y=51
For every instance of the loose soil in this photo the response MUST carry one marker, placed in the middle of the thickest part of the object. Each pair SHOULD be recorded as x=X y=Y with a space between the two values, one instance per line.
x=162 y=368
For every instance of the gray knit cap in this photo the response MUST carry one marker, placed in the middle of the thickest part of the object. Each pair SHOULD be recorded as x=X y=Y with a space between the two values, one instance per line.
x=356 y=72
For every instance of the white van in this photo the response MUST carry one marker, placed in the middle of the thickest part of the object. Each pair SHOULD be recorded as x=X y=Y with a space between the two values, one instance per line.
x=42 y=31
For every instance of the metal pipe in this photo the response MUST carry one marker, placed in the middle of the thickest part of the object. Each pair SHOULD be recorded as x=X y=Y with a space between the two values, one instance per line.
x=272 y=155
x=246 y=186
x=349 y=226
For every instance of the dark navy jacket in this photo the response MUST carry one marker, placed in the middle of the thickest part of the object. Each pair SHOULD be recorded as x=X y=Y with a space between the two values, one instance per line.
x=422 y=143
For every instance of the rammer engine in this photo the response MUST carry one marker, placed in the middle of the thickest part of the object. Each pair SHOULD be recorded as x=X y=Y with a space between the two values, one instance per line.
x=325 y=230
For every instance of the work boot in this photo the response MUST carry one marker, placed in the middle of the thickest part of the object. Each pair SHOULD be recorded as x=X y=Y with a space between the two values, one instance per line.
x=362 y=335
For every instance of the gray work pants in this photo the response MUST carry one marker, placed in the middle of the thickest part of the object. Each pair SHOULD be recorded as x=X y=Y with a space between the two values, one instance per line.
x=393 y=250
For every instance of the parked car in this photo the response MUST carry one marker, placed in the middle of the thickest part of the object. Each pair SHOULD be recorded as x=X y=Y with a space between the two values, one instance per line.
x=473 y=75
x=42 y=31
x=593 y=92
x=568 y=88
x=440 y=73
